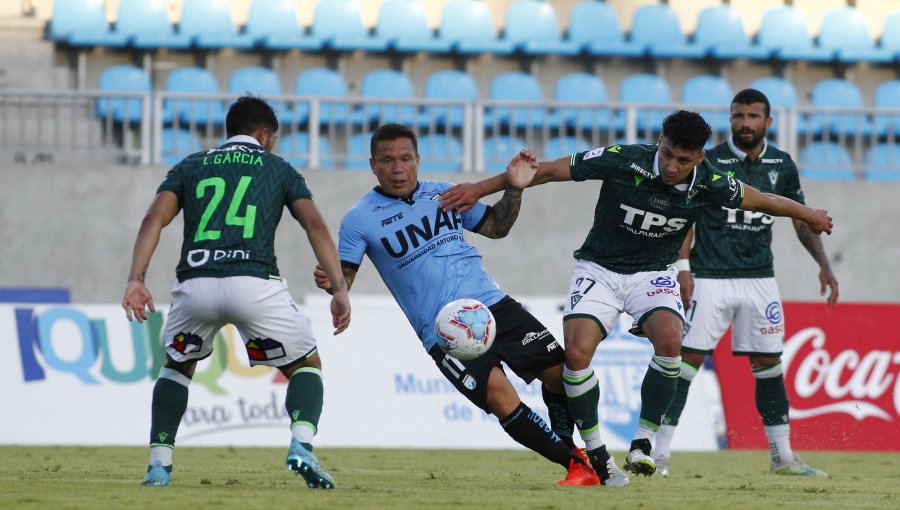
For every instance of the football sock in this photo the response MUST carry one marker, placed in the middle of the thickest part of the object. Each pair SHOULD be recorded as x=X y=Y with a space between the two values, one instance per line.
x=773 y=406
x=657 y=392
x=161 y=453
x=529 y=429
x=303 y=403
x=779 y=437
x=561 y=420
x=688 y=372
x=662 y=446
x=583 y=392
x=170 y=398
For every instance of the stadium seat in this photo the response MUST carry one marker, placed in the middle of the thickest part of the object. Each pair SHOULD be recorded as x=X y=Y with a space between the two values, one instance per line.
x=324 y=83
x=890 y=36
x=595 y=27
x=499 y=150
x=273 y=25
x=467 y=26
x=192 y=80
x=263 y=82
x=532 y=28
x=639 y=89
x=559 y=146
x=844 y=33
x=122 y=78
x=825 y=160
x=882 y=162
x=440 y=153
x=177 y=144
x=386 y=84
x=887 y=96
x=82 y=23
x=208 y=23
x=403 y=26
x=146 y=25
x=294 y=148
x=783 y=31
x=714 y=90
x=337 y=25
x=358 y=152
x=581 y=88
x=656 y=28
x=519 y=87
x=781 y=94
x=836 y=93
x=448 y=84
x=720 y=30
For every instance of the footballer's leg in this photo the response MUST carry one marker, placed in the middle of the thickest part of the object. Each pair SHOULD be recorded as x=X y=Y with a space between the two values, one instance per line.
x=662 y=449
x=554 y=394
x=170 y=398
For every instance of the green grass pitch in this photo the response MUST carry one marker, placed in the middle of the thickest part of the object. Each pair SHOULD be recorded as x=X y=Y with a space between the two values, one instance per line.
x=59 y=477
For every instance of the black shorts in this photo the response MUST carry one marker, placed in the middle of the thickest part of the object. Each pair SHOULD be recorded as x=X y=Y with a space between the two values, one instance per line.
x=522 y=342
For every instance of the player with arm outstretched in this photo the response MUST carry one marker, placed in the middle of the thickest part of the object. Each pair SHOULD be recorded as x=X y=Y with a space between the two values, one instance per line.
x=233 y=197
x=422 y=255
x=650 y=197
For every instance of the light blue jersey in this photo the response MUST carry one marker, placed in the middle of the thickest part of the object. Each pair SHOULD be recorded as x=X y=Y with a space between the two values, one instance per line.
x=419 y=251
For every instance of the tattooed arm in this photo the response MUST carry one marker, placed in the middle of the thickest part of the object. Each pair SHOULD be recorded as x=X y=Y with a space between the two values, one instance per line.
x=813 y=245
x=503 y=214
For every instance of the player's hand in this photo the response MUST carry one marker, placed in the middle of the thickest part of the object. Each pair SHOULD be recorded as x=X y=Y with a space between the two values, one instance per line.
x=340 y=311
x=137 y=297
x=820 y=222
x=521 y=169
x=461 y=197
x=827 y=279
x=686 y=281
x=321 y=279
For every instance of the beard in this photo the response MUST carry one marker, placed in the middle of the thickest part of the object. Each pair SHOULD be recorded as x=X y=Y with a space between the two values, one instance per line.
x=744 y=143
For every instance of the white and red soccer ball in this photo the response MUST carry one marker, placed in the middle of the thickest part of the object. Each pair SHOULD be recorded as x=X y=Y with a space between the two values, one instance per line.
x=465 y=329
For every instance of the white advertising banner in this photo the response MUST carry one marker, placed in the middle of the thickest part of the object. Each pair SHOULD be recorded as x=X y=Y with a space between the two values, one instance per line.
x=83 y=375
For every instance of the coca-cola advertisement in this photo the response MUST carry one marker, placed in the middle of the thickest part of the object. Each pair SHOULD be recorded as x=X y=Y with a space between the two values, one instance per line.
x=842 y=372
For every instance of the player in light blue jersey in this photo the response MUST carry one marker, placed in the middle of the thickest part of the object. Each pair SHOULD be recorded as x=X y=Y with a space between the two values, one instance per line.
x=422 y=255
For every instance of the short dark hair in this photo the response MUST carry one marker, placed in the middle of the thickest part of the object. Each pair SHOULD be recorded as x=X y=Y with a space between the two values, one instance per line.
x=751 y=96
x=248 y=114
x=686 y=130
x=392 y=132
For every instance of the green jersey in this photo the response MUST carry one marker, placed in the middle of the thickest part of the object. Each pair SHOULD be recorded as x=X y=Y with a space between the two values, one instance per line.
x=640 y=222
x=731 y=243
x=232 y=197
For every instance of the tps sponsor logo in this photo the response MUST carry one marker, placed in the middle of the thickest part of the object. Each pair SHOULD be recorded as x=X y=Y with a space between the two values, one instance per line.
x=739 y=219
x=859 y=383
x=650 y=224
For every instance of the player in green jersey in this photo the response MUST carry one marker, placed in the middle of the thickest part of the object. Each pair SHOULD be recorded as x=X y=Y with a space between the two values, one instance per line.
x=733 y=282
x=233 y=197
x=650 y=197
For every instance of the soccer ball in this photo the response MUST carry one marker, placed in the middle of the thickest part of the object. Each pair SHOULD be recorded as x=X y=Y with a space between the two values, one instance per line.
x=465 y=329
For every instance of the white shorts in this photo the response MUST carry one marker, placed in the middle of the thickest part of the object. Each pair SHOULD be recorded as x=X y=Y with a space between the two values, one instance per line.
x=752 y=305
x=602 y=295
x=271 y=325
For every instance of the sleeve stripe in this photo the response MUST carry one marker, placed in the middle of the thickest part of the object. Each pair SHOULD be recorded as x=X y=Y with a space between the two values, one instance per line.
x=487 y=211
x=350 y=265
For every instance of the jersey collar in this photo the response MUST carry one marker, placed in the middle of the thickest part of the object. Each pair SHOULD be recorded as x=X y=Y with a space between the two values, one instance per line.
x=741 y=154
x=242 y=139
x=408 y=199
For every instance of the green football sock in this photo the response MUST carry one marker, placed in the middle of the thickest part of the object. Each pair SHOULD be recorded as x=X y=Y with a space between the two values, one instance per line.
x=583 y=391
x=658 y=390
x=170 y=399
x=688 y=372
x=771 y=397
x=303 y=403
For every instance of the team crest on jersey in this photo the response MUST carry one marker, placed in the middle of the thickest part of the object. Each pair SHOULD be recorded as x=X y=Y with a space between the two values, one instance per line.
x=574 y=299
x=469 y=382
x=660 y=202
x=264 y=349
x=773 y=177
x=186 y=343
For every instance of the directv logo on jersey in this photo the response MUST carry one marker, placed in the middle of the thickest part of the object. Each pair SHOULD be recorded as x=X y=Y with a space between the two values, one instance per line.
x=728 y=161
x=772 y=161
x=641 y=171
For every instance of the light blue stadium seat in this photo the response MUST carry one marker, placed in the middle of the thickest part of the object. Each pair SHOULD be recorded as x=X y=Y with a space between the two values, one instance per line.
x=386 y=84
x=209 y=25
x=890 y=36
x=656 y=28
x=836 y=93
x=595 y=27
x=560 y=146
x=146 y=25
x=448 y=84
x=532 y=28
x=322 y=82
x=260 y=81
x=273 y=24
x=844 y=33
x=468 y=27
x=825 y=160
x=515 y=86
x=440 y=153
x=122 y=78
x=82 y=23
x=403 y=26
x=780 y=93
x=581 y=88
x=193 y=80
x=709 y=89
x=337 y=25
x=720 y=30
x=644 y=89
x=358 y=152
x=783 y=30
x=499 y=150
x=294 y=148
x=882 y=162
x=177 y=144
x=887 y=96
